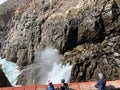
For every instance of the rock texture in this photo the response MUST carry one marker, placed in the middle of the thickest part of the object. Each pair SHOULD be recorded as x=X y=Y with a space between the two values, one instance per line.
x=87 y=33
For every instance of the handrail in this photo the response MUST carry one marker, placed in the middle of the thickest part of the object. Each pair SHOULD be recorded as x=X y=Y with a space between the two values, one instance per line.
x=111 y=85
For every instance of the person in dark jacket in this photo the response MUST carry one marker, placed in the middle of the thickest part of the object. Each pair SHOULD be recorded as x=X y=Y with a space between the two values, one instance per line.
x=50 y=86
x=101 y=83
x=64 y=86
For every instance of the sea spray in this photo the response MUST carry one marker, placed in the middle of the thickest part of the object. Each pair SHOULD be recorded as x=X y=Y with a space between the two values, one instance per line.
x=11 y=71
x=60 y=72
x=55 y=71
x=47 y=66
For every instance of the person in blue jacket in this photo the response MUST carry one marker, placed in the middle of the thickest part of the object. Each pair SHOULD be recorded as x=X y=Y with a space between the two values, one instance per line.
x=101 y=83
x=50 y=86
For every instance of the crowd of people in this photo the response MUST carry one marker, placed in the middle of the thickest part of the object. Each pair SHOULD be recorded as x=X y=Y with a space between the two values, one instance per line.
x=101 y=84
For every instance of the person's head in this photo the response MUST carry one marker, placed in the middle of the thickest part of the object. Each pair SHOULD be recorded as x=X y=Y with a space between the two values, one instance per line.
x=101 y=75
x=62 y=80
x=49 y=82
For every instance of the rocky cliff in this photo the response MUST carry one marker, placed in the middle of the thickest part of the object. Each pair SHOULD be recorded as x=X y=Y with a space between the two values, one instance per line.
x=86 y=32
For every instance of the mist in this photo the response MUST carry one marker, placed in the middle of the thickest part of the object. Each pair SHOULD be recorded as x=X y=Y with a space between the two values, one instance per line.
x=47 y=66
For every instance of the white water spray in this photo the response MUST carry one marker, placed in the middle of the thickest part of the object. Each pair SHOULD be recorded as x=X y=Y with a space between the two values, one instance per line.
x=47 y=66
x=55 y=71
x=11 y=71
x=60 y=72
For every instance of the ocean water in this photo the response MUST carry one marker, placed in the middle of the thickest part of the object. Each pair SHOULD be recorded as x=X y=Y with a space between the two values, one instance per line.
x=11 y=71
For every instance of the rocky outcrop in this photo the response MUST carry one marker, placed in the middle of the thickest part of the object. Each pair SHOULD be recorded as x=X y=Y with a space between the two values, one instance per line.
x=87 y=34
x=73 y=28
x=90 y=59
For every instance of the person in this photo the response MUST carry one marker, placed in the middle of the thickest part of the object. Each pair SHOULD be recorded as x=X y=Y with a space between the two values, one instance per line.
x=50 y=85
x=64 y=86
x=101 y=83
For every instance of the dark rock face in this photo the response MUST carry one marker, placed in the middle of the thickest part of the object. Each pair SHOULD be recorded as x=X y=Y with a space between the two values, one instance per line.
x=4 y=82
x=88 y=30
x=66 y=32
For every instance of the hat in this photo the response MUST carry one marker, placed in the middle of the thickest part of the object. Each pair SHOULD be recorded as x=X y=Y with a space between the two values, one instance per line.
x=49 y=82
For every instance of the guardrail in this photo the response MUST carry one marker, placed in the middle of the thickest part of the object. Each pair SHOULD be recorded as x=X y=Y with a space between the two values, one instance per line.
x=111 y=85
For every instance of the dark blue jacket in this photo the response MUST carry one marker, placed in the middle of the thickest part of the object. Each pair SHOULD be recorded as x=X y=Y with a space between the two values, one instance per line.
x=50 y=88
x=101 y=83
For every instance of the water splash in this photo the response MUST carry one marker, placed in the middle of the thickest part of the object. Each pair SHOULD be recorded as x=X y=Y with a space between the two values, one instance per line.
x=55 y=71
x=47 y=66
x=60 y=72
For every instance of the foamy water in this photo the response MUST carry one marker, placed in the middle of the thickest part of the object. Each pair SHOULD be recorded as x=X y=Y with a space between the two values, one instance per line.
x=11 y=71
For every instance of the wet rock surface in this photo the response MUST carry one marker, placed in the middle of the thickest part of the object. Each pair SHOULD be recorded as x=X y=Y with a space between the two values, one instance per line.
x=87 y=33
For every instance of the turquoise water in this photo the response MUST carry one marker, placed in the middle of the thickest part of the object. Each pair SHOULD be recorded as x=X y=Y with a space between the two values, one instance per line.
x=11 y=71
